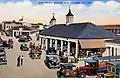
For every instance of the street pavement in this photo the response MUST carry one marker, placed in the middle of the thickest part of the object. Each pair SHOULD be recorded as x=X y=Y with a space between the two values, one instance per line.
x=31 y=68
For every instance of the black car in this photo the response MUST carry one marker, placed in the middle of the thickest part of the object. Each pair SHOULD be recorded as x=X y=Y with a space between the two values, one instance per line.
x=52 y=61
x=24 y=47
x=23 y=40
x=2 y=56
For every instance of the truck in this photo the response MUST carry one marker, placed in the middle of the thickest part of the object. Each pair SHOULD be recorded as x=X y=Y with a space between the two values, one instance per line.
x=96 y=66
x=113 y=70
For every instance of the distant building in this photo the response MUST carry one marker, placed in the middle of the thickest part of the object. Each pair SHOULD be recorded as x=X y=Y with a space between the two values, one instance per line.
x=9 y=24
x=113 y=28
x=37 y=25
x=21 y=30
x=113 y=46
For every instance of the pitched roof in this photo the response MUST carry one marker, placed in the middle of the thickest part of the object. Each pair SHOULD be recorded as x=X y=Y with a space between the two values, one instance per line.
x=69 y=13
x=78 y=30
x=17 y=28
x=9 y=22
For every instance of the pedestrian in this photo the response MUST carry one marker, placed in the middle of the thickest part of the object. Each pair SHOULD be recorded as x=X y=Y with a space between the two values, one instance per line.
x=21 y=60
x=18 y=61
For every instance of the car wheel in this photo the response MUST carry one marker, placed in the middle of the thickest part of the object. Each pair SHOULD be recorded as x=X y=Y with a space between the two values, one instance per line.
x=62 y=76
x=82 y=75
x=58 y=74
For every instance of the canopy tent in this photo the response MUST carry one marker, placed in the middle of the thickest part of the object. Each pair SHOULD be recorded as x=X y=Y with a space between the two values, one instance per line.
x=68 y=65
x=90 y=61
x=92 y=43
x=107 y=58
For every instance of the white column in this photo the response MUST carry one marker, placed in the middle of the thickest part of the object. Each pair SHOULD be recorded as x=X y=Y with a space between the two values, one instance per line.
x=42 y=42
x=56 y=44
x=46 y=41
x=77 y=50
x=50 y=42
x=61 y=45
x=20 y=32
x=68 y=48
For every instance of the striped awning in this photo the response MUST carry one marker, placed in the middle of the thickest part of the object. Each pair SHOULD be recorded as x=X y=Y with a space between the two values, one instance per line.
x=92 y=43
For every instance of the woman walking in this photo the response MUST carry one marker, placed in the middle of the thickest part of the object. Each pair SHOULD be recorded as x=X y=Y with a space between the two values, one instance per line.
x=18 y=61
x=21 y=60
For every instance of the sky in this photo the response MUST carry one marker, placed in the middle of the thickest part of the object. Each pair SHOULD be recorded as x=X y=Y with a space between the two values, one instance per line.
x=102 y=12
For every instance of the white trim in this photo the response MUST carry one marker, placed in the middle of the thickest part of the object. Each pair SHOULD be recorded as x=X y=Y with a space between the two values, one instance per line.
x=60 y=38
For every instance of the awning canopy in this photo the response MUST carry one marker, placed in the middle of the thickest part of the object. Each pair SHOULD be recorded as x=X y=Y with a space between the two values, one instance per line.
x=92 y=43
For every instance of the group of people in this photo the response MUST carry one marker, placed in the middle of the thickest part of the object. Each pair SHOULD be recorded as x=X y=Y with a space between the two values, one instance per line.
x=20 y=61
x=33 y=45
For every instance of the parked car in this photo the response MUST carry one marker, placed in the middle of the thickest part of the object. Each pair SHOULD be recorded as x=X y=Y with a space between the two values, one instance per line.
x=52 y=61
x=24 y=47
x=17 y=36
x=66 y=71
x=3 y=56
x=10 y=42
x=24 y=38
x=6 y=44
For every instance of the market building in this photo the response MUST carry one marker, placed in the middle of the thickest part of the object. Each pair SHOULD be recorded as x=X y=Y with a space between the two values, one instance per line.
x=75 y=39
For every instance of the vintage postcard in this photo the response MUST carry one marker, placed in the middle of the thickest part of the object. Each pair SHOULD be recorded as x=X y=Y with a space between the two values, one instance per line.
x=59 y=39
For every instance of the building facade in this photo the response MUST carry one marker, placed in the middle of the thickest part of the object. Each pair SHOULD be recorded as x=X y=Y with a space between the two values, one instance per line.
x=76 y=39
x=20 y=30
x=9 y=24
x=113 y=28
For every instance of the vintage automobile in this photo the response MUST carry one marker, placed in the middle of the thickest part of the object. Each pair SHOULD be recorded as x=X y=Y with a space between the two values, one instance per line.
x=2 y=56
x=18 y=36
x=24 y=38
x=35 y=53
x=24 y=47
x=8 y=44
x=96 y=66
x=66 y=71
x=113 y=70
x=52 y=61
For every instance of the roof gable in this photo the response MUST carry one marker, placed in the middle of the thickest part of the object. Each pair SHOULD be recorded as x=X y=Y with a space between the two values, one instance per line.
x=78 y=30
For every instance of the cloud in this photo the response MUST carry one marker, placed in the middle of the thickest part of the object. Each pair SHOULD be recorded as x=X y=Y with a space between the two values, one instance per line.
x=98 y=12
